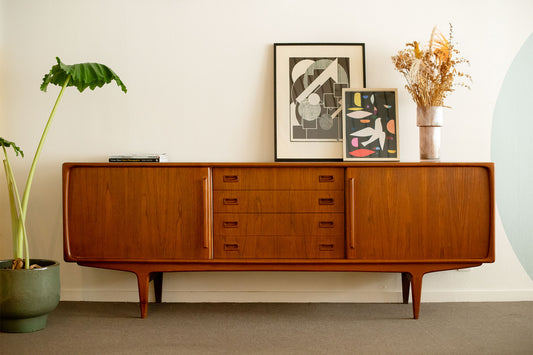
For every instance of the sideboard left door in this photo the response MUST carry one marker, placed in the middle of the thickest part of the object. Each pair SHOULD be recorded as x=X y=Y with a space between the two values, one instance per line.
x=136 y=213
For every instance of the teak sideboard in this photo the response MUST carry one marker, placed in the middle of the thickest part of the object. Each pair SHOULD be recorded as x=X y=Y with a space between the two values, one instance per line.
x=150 y=218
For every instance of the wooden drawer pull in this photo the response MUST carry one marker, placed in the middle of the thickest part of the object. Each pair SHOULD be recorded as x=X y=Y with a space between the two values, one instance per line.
x=326 y=178
x=231 y=247
x=230 y=224
x=325 y=224
x=230 y=178
x=326 y=247
x=230 y=201
x=326 y=201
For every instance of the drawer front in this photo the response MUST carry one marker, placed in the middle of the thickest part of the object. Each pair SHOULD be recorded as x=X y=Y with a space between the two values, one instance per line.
x=278 y=178
x=252 y=224
x=279 y=247
x=278 y=201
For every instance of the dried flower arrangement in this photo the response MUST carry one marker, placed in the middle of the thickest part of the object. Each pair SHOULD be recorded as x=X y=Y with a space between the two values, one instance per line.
x=431 y=73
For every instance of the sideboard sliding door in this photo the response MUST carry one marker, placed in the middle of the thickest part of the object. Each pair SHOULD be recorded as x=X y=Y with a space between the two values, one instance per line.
x=138 y=213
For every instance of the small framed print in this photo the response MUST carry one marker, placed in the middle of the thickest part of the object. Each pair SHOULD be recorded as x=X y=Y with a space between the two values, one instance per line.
x=370 y=121
x=308 y=84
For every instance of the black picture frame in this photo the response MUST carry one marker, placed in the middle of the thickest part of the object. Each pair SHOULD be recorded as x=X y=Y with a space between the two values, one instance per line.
x=370 y=124
x=308 y=83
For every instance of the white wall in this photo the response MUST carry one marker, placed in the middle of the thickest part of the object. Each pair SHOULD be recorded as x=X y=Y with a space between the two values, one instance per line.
x=200 y=81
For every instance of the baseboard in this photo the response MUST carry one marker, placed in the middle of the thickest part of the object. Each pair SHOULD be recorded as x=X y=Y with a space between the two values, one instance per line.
x=478 y=296
x=109 y=295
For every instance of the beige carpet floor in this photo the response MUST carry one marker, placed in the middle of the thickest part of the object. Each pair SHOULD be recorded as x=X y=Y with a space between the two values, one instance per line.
x=280 y=328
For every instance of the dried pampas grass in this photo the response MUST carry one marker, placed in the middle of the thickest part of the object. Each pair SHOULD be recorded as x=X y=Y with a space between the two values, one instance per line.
x=432 y=73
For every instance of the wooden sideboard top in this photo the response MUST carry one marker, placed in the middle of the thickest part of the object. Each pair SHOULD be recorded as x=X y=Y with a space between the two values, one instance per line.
x=284 y=164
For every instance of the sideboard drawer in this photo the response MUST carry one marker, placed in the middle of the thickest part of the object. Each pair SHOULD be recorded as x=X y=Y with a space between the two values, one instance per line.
x=279 y=247
x=278 y=201
x=297 y=224
x=278 y=179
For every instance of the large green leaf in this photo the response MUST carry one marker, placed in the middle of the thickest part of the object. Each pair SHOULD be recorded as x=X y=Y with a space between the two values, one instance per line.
x=7 y=144
x=82 y=76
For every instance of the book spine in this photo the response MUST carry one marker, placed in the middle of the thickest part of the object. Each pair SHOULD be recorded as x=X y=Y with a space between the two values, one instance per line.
x=134 y=160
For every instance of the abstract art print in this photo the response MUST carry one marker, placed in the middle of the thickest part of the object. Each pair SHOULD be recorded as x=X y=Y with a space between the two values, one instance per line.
x=309 y=79
x=370 y=120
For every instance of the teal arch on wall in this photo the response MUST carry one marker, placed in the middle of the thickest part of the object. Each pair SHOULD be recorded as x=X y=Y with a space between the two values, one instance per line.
x=512 y=153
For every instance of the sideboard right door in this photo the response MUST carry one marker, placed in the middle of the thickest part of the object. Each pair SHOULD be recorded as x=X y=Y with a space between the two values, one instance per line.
x=420 y=212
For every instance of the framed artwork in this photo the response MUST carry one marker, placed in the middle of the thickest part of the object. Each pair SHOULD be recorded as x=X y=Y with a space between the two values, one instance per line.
x=308 y=84
x=370 y=121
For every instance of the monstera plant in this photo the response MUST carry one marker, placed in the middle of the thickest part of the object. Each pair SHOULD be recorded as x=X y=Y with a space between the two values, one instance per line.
x=81 y=76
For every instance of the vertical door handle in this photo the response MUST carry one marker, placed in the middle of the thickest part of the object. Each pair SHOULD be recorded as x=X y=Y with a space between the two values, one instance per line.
x=351 y=201
x=207 y=213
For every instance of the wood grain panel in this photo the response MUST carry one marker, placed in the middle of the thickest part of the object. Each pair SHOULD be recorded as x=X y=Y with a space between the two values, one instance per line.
x=278 y=178
x=419 y=213
x=278 y=224
x=137 y=213
x=278 y=201
x=278 y=247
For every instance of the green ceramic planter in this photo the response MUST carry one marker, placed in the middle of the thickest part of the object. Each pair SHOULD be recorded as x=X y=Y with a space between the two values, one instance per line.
x=27 y=296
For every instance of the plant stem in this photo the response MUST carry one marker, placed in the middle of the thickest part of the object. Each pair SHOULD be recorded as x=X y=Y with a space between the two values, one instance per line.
x=24 y=204
x=12 y=207
x=14 y=203
x=17 y=252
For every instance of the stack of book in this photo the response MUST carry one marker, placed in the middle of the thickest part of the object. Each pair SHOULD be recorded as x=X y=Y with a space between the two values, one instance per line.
x=143 y=158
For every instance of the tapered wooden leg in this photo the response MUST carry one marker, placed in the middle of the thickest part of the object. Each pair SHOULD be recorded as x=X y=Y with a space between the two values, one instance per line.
x=143 y=280
x=406 y=285
x=416 y=285
x=158 y=285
